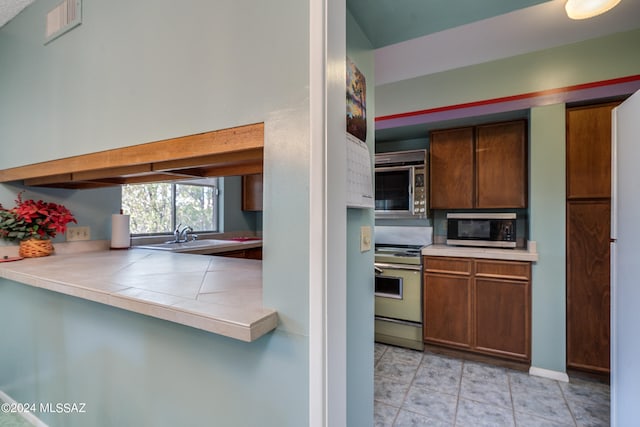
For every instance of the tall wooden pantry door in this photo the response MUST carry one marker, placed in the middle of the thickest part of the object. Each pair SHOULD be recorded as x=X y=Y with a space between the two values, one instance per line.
x=588 y=234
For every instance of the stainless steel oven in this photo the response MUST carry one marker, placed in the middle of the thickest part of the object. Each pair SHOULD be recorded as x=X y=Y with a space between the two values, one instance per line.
x=401 y=184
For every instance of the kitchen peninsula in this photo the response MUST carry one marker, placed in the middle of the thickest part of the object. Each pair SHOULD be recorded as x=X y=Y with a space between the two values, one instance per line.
x=217 y=294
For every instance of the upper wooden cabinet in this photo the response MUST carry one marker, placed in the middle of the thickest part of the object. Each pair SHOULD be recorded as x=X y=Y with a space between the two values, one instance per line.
x=451 y=168
x=589 y=151
x=501 y=165
x=482 y=167
x=252 y=192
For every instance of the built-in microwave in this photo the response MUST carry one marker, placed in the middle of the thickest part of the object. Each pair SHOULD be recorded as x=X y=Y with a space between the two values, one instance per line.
x=401 y=184
x=482 y=229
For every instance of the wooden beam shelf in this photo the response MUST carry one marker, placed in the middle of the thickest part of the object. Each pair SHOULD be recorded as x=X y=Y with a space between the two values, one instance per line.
x=226 y=152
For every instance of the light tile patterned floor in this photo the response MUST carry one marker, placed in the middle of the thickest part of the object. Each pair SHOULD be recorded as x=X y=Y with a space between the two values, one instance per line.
x=426 y=389
x=8 y=419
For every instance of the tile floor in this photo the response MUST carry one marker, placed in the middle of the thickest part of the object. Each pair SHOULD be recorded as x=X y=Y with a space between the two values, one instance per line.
x=8 y=419
x=426 y=389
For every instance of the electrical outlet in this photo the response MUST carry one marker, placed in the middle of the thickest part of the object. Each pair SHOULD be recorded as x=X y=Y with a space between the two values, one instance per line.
x=78 y=233
x=365 y=239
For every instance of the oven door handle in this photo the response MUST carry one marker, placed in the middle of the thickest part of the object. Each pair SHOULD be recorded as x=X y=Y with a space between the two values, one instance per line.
x=382 y=266
x=398 y=321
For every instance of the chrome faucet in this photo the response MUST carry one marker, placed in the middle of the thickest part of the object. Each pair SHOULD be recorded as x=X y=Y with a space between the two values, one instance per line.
x=181 y=235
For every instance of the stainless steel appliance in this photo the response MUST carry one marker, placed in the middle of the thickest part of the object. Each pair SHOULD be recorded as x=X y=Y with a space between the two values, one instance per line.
x=482 y=229
x=398 y=284
x=401 y=184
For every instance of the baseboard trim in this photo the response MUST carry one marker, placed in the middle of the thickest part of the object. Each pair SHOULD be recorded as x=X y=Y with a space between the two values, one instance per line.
x=28 y=416
x=547 y=373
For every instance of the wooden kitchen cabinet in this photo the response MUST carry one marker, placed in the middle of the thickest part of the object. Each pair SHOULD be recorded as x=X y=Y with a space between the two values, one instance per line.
x=588 y=235
x=251 y=253
x=501 y=165
x=447 y=302
x=479 y=305
x=483 y=167
x=588 y=289
x=252 y=192
x=589 y=151
x=451 y=154
x=502 y=308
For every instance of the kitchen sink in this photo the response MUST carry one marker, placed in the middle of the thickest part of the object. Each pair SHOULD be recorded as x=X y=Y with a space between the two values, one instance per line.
x=197 y=246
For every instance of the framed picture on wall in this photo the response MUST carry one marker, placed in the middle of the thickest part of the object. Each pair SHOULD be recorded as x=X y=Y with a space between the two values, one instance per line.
x=356 y=102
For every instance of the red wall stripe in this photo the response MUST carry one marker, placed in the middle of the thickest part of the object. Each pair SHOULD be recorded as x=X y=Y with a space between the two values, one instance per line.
x=583 y=86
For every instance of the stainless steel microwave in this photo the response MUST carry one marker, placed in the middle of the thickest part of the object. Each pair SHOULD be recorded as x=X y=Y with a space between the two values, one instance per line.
x=401 y=184
x=482 y=229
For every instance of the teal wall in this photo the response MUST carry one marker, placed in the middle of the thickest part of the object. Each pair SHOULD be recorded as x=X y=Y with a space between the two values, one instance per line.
x=360 y=303
x=142 y=71
x=547 y=228
x=593 y=60
x=590 y=61
x=91 y=208
x=403 y=144
x=133 y=370
x=232 y=217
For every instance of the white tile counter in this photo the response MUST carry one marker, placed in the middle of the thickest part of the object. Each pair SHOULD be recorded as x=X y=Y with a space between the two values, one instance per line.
x=217 y=294
x=529 y=254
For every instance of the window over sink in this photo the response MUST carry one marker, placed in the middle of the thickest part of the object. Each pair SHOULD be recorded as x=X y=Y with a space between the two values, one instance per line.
x=157 y=208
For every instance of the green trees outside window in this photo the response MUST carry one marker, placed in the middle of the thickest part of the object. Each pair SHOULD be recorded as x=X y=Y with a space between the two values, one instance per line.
x=158 y=208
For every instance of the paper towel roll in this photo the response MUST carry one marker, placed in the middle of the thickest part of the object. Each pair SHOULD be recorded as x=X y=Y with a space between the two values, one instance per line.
x=120 y=235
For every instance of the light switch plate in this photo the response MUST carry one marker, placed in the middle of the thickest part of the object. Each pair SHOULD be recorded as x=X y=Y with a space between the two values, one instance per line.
x=78 y=233
x=365 y=238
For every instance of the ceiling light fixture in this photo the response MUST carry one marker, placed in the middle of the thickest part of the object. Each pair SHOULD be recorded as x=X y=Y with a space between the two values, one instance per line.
x=583 y=9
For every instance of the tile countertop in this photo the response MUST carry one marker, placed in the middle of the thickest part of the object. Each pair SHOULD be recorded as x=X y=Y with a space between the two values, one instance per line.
x=217 y=294
x=529 y=254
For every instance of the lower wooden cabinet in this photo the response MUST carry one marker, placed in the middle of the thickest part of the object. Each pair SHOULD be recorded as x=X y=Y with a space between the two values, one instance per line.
x=479 y=305
x=251 y=253
x=447 y=302
x=450 y=326
x=502 y=318
x=588 y=285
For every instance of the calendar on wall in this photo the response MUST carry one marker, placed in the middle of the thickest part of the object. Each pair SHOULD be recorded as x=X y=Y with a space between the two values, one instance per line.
x=359 y=176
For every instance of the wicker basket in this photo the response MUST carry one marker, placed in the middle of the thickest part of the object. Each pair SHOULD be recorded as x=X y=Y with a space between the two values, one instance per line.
x=33 y=248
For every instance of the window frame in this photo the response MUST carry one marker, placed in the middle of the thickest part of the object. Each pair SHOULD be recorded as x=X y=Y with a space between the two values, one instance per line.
x=205 y=182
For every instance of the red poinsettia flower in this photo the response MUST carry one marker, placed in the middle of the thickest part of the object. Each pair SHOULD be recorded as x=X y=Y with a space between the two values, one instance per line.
x=34 y=219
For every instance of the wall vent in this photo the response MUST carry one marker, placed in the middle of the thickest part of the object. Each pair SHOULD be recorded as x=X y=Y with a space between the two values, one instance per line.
x=64 y=17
